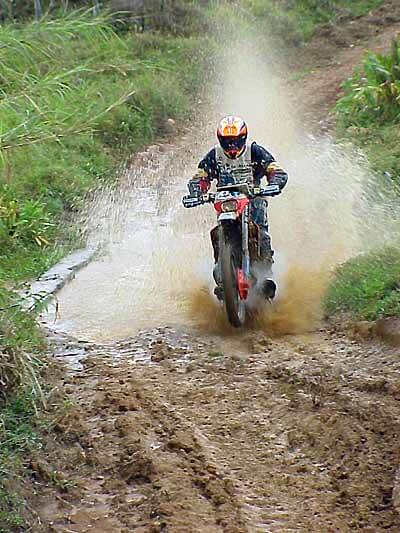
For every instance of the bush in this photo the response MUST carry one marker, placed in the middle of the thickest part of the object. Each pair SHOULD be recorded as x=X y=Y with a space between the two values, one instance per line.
x=373 y=94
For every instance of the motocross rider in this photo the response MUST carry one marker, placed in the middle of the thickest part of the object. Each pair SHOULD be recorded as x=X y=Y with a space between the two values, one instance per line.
x=250 y=162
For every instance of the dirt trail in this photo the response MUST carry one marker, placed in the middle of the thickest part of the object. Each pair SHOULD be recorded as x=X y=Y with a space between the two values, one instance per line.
x=332 y=54
x=168 y=431
x=178 y=430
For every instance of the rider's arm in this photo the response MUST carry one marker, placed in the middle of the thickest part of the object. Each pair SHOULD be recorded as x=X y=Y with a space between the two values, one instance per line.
x=276 y=175
x=206 y=172
x=265 y=165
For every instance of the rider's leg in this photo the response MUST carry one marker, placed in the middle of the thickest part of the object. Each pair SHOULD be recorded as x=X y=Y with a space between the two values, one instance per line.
x=259 y=216
x=218 y=291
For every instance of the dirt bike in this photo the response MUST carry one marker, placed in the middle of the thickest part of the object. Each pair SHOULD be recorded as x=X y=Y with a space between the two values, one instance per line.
x=238 y=242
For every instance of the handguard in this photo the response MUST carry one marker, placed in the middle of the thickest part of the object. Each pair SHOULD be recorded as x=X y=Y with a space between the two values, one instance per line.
x=195 y=201
x=270 y=190
x=192 y=201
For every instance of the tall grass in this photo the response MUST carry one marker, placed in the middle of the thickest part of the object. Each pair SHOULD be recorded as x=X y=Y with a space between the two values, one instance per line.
x=74 y=96
x=20 y=345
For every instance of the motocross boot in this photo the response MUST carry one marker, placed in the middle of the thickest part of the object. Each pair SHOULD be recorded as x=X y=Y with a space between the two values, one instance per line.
x=268 y=285
x=218 y=291
x=269 y=288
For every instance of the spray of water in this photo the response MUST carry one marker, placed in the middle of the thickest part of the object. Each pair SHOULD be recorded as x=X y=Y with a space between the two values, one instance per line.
x=156 y=266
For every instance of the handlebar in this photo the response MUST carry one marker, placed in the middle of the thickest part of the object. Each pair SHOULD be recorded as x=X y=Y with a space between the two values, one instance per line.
x=194 y=201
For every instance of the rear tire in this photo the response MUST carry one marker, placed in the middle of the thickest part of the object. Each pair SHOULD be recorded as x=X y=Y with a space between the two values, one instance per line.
x=235 y=307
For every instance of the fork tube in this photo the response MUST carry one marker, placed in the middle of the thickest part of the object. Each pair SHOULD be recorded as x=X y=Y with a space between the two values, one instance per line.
x=245 y=243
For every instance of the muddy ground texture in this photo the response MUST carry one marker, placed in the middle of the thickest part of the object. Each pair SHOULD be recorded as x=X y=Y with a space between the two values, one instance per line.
x=168 y=431
x=181 y=432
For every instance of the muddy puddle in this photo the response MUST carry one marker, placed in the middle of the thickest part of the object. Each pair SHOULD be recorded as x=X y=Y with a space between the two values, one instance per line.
x=155 y=260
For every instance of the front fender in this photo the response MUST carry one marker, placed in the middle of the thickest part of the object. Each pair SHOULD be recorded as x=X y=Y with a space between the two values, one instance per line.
x=227 y=216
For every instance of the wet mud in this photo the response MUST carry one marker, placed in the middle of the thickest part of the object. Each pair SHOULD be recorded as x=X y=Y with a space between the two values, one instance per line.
x=169 y=431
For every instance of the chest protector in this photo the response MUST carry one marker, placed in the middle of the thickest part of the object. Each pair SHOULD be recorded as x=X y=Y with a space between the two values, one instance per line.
x=240 y=168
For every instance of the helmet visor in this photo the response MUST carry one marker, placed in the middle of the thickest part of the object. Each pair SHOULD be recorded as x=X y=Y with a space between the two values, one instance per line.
x=232 y=144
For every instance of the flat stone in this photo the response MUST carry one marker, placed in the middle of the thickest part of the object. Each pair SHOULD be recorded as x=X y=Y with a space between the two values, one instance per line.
x=54 y=279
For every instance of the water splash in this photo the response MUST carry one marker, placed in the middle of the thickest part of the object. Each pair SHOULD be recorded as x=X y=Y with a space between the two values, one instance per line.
x=156 y=264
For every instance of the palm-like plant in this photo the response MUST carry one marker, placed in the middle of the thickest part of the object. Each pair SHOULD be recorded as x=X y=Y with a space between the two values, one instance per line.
x=374 y=93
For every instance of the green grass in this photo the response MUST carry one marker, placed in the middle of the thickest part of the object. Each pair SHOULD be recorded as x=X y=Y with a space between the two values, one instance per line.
x=75 y=97
x=296 y=20
x=21 y=344
x=11 y=506
x=18 y=437
x=367 y=287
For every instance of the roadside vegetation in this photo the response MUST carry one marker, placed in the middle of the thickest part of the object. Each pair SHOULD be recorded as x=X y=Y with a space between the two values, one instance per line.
x=296 y=21
x=368 y=287
x=77 y=95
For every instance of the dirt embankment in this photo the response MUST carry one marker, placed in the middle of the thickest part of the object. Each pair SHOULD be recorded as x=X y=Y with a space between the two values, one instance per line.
x=173 y=431
x=333 y=53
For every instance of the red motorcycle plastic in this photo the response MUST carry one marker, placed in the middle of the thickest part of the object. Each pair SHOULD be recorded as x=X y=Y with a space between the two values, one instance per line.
x=238 y=242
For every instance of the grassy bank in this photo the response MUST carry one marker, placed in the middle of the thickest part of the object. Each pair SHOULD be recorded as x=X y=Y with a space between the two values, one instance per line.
x=367 y=287
x=296 y=21
x=75 y=99
x=369 y=117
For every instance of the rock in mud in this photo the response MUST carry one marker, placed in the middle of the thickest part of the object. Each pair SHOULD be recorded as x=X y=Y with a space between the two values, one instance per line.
x=139 y=466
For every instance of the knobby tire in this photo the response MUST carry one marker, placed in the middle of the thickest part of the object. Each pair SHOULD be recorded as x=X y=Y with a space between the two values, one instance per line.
x=233 y=304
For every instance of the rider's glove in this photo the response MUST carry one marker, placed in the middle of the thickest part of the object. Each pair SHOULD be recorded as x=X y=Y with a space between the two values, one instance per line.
x=276 y=175
x=199 y=184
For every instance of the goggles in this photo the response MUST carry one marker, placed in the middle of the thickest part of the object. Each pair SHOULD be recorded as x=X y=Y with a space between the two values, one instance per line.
x=232 y=143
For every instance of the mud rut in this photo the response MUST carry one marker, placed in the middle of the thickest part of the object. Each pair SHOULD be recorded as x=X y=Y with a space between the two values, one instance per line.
x=168 y=434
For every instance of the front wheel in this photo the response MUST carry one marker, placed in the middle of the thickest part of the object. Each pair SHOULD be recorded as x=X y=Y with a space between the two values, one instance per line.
x=234 y=305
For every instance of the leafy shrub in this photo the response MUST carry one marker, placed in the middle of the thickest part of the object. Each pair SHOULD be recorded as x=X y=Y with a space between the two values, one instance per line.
x=26 y=222
x=373 y=94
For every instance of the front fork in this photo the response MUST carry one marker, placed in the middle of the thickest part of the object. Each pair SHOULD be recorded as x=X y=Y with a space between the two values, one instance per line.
x=243 y=273
x=245 y=244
